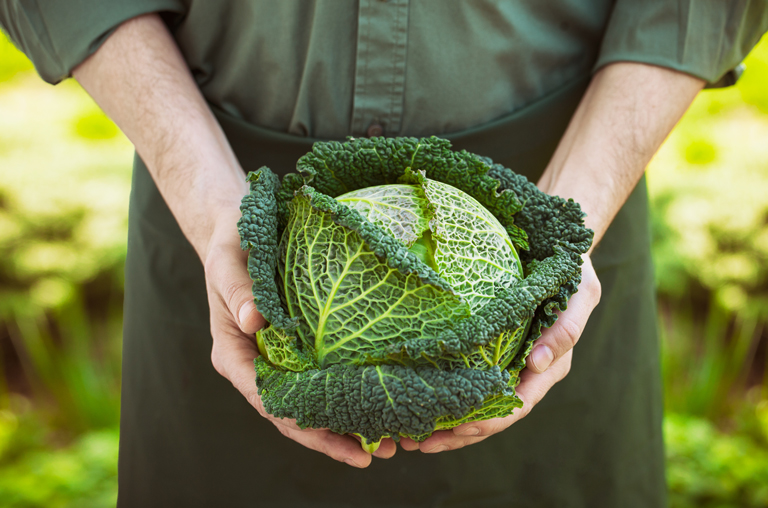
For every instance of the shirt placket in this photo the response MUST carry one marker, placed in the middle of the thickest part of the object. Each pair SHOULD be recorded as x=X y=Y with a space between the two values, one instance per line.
x=382 y=36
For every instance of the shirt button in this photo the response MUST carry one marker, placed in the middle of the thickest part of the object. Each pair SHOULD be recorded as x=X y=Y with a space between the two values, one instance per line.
x=375 y=130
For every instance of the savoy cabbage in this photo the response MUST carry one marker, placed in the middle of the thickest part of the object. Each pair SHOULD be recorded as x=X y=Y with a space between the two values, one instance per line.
x=404 y=284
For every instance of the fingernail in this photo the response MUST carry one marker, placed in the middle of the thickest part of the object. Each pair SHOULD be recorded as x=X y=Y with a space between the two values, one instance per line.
x=470 y=431
x=437 y=449
x=244 y=311
x=352 y=463
x=541 y=357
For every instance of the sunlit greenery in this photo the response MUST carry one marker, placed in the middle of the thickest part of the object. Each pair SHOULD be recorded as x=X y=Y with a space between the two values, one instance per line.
x=63 y=225
x=708 y=187
x=711 y=469
x=63 y=217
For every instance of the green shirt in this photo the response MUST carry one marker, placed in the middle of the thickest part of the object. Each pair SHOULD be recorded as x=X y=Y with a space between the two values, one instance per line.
x=337 y=68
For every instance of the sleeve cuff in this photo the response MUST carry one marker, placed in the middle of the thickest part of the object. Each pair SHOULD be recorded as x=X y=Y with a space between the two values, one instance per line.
x=57 y=35
x=705 y=38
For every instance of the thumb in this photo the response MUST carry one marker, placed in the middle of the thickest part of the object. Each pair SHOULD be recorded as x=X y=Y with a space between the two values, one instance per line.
x=249 y=318
x=227 y=274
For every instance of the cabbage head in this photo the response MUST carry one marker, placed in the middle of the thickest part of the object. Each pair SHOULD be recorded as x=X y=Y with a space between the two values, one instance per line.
x=404 y=284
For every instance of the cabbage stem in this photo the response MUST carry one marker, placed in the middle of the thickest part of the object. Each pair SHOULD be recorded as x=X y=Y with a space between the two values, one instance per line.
x=369 y=446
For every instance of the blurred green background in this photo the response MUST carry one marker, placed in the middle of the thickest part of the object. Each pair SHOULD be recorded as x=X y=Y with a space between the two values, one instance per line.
x=63 y=221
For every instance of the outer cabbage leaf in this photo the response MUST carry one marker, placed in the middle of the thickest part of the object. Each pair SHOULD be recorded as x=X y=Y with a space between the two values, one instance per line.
x=258 y=232
x=379 y=401
x=509 y=311
x=351 y=303
x=283 y=351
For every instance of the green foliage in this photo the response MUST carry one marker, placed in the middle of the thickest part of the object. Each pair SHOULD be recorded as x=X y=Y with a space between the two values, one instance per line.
x=710 y=469
x=401 y=306
x=708 y=358
x=63 y=208
x=63 y=203
x=752 y=84
x=83 y=475
x=700 y=152
x=12 y=61
x=70 y=357
x=96 y=125
x=707 y=186
x=710 y=220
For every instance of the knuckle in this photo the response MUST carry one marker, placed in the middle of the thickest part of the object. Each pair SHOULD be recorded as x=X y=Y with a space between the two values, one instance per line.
x=595 y=291
x=232 y=293
x=569 y=334
x=263 y=412
x=217 y=362
x=523 y=411
x=565 y=365
x=487 y=428
x=282 y=429
x=255 y=401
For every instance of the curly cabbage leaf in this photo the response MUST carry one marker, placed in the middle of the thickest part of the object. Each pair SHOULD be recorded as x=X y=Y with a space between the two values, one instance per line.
x=382 y=400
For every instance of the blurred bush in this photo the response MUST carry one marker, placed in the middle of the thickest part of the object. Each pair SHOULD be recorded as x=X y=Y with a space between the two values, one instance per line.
x=710 y=469
x=63 y=228
x=710 y=223
x=82 y=475
x=11 y=60
x=708 y=186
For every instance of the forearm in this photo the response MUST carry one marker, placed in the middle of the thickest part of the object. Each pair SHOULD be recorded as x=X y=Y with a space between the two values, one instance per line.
x=140 y=79
x=625 y=115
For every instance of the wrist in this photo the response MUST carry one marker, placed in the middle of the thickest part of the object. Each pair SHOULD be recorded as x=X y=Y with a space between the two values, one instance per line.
x=223 y=234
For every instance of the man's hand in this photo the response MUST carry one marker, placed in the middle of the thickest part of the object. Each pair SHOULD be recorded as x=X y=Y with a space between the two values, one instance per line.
x=548 y=363
x=234 y=320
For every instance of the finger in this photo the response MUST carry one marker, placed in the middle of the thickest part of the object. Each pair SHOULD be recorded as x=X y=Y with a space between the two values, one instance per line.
x=227 y=276
x=338 y=447
x=446 y=440
x=533 y=386
x=564 y=334
x=531 y=390
x=386 y=449
x=408 y=444
x=232 y=356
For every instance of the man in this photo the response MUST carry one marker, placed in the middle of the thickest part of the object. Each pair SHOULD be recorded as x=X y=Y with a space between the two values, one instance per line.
x=577 y=95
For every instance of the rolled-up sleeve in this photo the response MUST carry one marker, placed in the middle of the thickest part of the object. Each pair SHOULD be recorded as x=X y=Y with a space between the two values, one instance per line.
x=704 y=38
x=57 y=35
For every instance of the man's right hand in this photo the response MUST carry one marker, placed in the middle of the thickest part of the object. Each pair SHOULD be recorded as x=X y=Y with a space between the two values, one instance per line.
x=140 y=79
x=234 y=321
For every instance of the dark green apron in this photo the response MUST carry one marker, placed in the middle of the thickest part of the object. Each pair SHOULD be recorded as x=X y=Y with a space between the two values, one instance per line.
x=188 y=438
